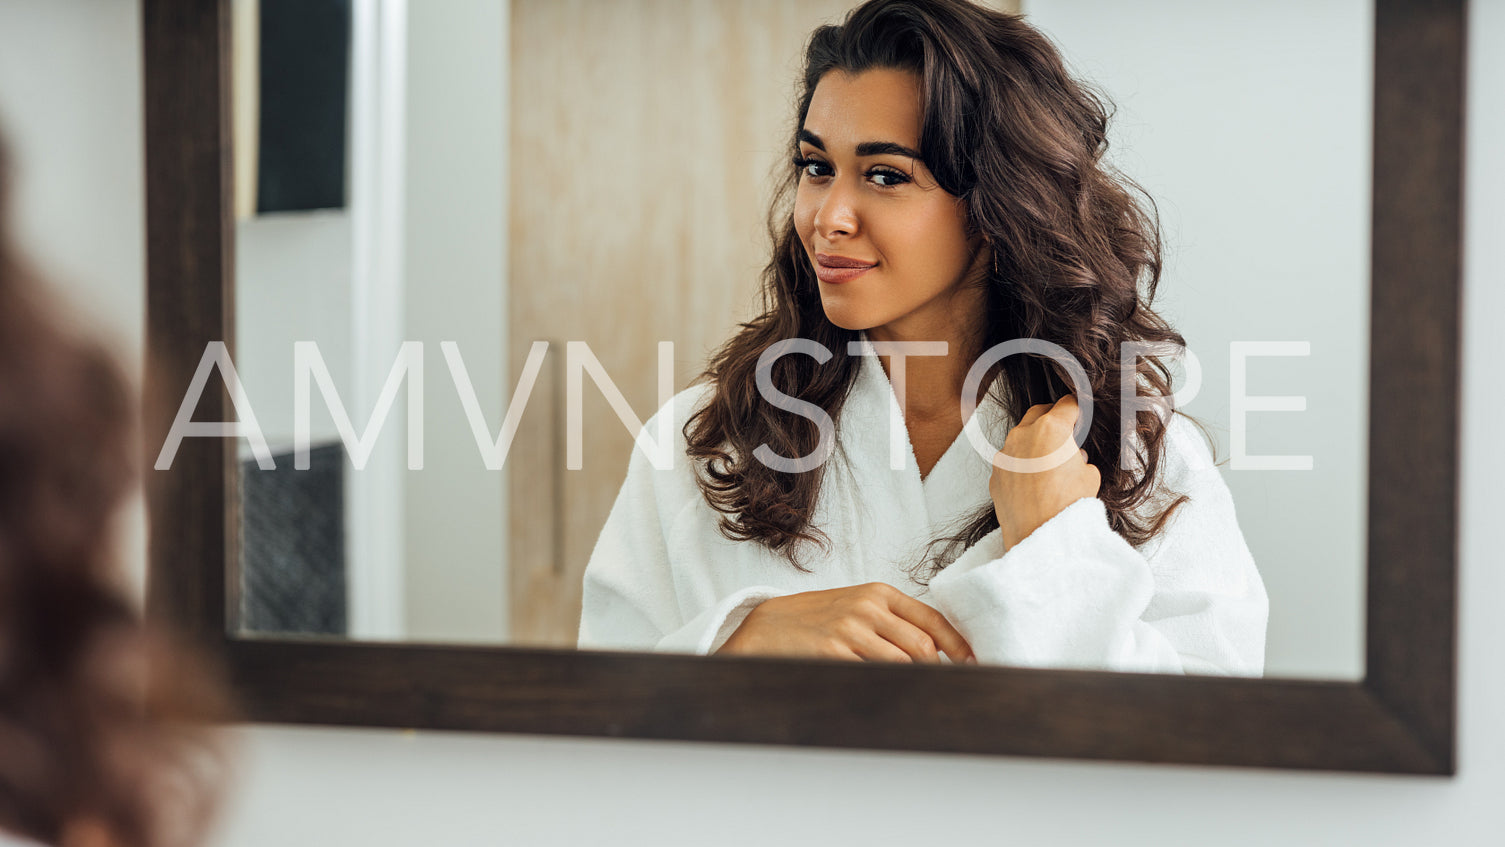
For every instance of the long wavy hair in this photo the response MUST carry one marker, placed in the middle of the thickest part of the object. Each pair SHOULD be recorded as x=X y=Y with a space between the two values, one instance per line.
x=1076 y=261
x=103 y=719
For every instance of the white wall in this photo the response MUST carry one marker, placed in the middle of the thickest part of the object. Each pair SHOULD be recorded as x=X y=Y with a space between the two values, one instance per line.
x=297 y=285
x=456 y=563
x=1250 y=126
x=68 y=91
x=292 y=272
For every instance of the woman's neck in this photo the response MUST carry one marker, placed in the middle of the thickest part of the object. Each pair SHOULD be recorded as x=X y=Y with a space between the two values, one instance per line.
x=933 y=383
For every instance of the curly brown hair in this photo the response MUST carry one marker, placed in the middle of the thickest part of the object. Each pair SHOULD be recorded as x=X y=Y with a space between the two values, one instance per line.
x=103 y=734
x=1076 y=262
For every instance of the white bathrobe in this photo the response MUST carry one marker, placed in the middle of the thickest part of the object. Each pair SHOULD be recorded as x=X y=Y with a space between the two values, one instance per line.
x=1073 y=594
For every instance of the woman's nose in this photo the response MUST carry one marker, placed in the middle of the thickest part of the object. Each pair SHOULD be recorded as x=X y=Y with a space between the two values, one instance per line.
x=837 y=215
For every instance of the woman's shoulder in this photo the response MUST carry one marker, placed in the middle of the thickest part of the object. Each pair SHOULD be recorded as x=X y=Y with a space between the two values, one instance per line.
x=685 y=403
x=1186 y=448
x=672 y=480
x=675 y=413
x=668 y=422
x=1184 y=462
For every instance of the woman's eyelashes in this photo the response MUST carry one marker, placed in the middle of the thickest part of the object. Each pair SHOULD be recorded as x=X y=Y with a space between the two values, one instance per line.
x=895 y=177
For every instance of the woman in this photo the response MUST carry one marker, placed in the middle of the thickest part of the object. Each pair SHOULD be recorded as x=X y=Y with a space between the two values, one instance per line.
x=947 y=190
x=101 y=736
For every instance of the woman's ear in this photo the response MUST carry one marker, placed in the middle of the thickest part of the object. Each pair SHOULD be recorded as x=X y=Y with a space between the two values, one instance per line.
x=993 y=250
x=982 y=262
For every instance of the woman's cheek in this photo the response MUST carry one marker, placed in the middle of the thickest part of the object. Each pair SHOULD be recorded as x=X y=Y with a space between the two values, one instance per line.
x=803 y=216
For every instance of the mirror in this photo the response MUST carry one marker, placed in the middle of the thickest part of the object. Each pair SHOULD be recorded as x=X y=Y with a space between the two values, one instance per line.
x=600 y=174
x=1399 y=718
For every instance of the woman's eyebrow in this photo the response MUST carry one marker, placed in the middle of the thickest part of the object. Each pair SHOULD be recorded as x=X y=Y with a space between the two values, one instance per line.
x=866 y=148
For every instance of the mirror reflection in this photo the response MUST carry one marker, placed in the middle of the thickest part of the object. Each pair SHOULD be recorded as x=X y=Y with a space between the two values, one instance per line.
x=700 y=327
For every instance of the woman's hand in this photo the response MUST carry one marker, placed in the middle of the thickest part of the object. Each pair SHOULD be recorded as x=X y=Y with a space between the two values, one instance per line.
x=874 y=622
x=1025 y=501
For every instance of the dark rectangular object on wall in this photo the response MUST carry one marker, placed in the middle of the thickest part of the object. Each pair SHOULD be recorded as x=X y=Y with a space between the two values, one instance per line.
x=304 y=81
x=293 y=544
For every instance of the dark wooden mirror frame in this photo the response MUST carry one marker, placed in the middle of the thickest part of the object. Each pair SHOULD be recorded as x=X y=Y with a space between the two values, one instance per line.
x=1400 y=718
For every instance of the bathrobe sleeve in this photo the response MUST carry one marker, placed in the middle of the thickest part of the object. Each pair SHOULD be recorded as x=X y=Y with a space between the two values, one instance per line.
x=636 y=594
x=1075 y=595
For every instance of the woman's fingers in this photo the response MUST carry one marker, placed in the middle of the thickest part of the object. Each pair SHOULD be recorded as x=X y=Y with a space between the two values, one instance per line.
x=1066 y=409
x=915 y=642
x=942 y=634
x=872 y=647
x=873 y=622
x=1033 y=413
x=845 y=654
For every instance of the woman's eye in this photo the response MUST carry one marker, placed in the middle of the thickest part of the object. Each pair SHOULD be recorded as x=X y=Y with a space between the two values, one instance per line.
x=882 y=177
x=898 y=178
x=805 y=164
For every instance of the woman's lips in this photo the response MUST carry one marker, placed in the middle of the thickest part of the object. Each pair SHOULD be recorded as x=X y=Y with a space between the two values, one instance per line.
x=840 y=269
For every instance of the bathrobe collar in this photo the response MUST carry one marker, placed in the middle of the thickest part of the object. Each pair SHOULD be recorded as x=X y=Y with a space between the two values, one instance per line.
x=871 y=424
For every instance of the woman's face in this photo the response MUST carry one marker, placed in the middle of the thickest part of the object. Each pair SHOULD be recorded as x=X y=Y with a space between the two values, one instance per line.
x=865 y=195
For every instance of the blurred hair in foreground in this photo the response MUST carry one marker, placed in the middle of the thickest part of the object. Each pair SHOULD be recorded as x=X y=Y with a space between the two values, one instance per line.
x=104 y=721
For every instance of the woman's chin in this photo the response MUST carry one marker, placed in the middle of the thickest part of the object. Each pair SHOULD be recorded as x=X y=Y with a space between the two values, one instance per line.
x=848 y=318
